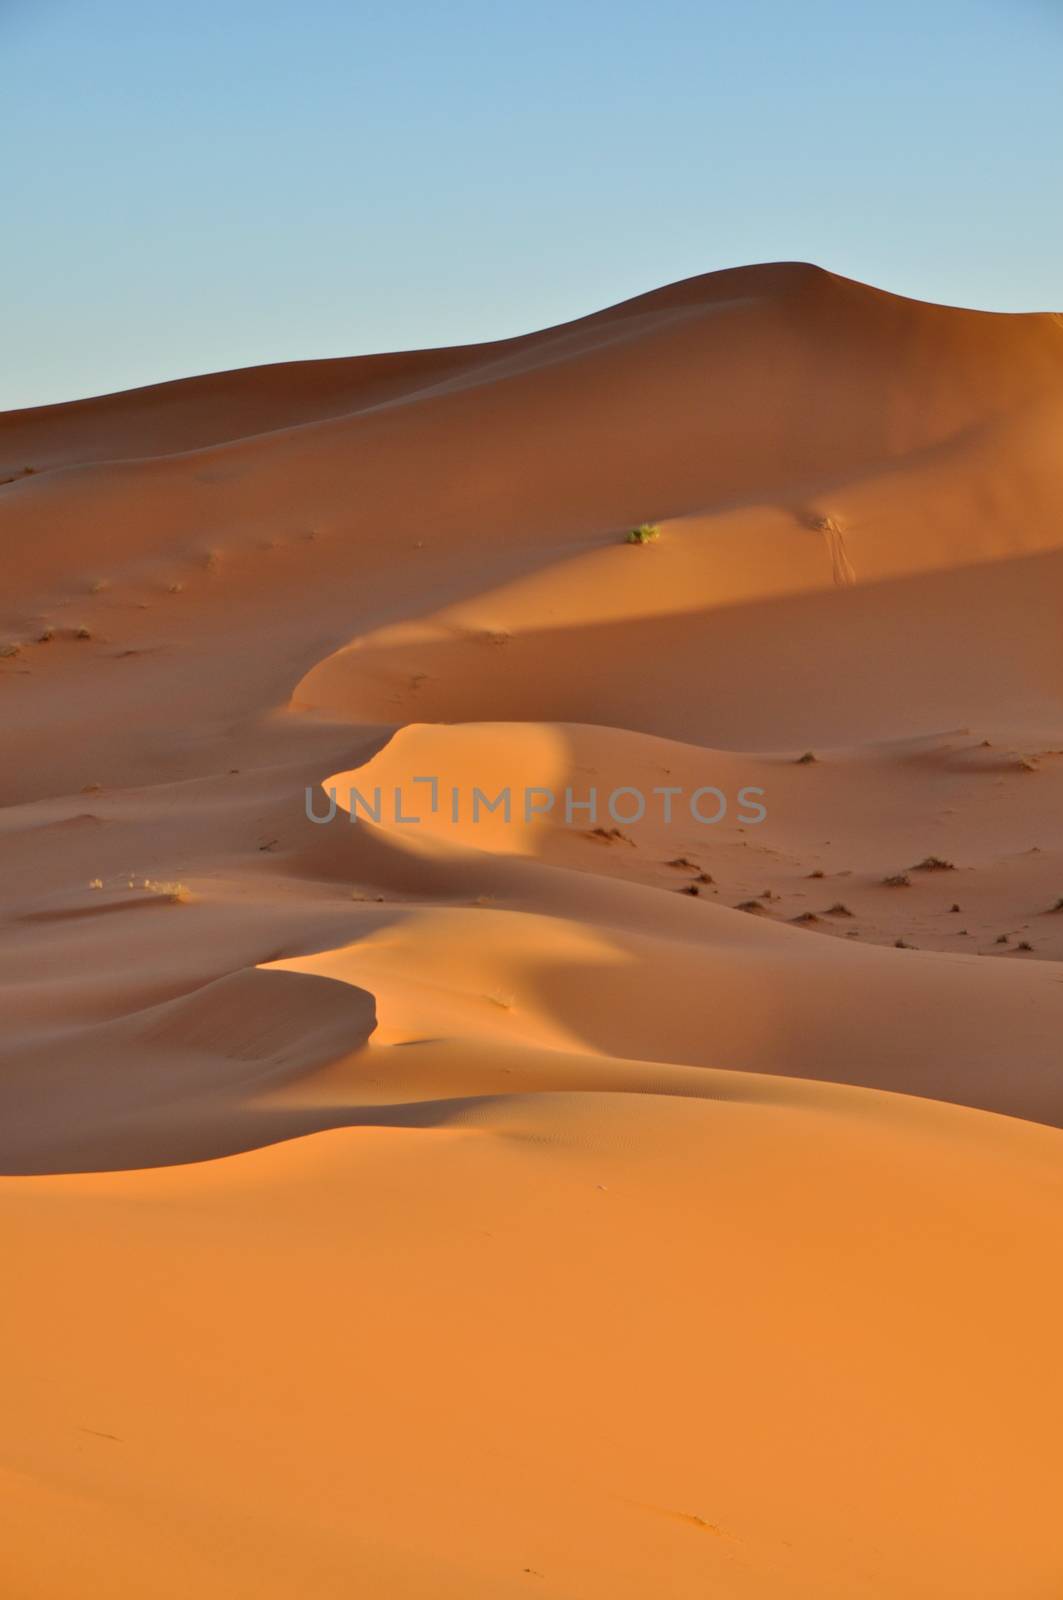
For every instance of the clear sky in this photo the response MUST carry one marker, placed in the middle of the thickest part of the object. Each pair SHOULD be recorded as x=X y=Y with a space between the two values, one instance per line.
x=218 y=183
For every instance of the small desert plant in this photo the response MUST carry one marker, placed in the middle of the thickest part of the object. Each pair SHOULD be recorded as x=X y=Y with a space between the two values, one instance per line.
x=1002 y=938
x=902 y=944
x=46 y=636
x=838 y=910
x=807 y=760
x=176 y=893
x=934 y=864
x=819 y=873
x=953 y=907
x=690 y=888
x=897 y=880
x=9 y=648
x=1024 y=944
x=749 y=905
x=645 y=533
x=82 y=633
x=1058 y=905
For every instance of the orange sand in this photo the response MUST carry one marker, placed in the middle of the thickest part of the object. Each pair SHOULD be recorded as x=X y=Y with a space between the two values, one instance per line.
x=467 y=1211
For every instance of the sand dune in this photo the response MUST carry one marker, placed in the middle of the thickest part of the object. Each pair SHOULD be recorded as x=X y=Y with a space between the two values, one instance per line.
x=601 y=1207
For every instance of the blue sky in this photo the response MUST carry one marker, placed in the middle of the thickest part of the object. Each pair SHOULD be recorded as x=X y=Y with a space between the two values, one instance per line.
x=201 y=186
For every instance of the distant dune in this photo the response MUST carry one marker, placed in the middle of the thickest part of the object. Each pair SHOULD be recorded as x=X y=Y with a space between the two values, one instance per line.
x=593 y=1205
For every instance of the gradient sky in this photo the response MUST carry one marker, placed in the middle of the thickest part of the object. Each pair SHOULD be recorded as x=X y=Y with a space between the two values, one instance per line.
x=201 y=186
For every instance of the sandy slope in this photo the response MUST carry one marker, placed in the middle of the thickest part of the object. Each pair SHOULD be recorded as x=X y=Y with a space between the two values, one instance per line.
x=485 y=1209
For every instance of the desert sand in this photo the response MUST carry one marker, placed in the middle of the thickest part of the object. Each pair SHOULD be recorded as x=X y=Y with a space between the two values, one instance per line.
x=484 y=1209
